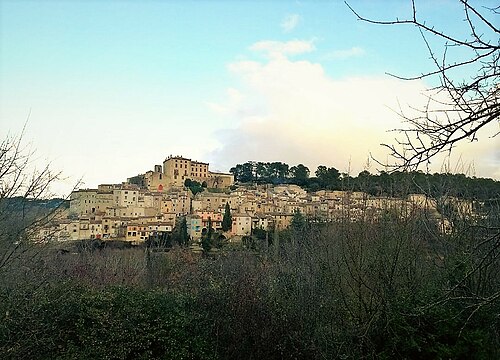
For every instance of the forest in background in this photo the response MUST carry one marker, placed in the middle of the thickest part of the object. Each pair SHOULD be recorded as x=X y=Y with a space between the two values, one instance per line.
x=395 y=183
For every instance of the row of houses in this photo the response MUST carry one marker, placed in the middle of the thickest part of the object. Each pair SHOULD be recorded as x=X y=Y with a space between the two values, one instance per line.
x=135 y=230
x=148 y=205
x=129 y=212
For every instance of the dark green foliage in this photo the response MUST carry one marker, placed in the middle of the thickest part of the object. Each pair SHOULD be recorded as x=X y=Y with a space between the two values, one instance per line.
x=180 y=234
x=160 y=240
x=299 y=175
x=227 y=221
x=219 y=240
x=206 y=238
x=74 y=322
x=298 y=223
x=328 y=178
x=259 y=233
x=270 y=172
x=395 y=184
x=385 y=289
x=243 y=172
x=194 y=186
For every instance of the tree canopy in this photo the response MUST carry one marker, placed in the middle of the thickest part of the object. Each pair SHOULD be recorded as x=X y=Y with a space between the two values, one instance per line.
x=395 y=183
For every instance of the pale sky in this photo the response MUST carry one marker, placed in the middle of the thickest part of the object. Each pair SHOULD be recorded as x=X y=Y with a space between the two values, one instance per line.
x=114 y=87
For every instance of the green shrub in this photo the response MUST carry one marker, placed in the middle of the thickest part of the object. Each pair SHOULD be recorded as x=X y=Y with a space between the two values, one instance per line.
x=74 y=322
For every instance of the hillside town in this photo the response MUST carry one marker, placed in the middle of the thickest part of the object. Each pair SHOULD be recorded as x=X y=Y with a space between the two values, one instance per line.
x=151 y=204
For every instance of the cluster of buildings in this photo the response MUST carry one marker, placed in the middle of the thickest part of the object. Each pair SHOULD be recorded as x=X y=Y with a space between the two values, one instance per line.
x=150 y=204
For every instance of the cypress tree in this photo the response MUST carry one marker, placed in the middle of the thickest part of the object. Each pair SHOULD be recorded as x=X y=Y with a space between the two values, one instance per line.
x=227 y=220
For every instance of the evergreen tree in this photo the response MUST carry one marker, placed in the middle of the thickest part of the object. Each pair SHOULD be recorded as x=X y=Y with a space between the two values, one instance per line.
x=180 y=234
x=298 y=221
x=227 y=220
x=184 y=237
x=206 y=240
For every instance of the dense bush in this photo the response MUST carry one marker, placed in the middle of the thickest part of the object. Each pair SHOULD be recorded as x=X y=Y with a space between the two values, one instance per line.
x=64 y=321
x=393 y=288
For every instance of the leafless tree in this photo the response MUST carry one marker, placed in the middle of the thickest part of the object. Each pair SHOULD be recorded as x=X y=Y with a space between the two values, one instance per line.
x=456 y=109
x=21 y=181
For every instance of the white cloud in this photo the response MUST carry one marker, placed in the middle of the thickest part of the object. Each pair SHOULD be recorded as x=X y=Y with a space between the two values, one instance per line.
x=304 y=116
x=346 y=53
x=290 y=22
x=231 y=104
x=279 y=48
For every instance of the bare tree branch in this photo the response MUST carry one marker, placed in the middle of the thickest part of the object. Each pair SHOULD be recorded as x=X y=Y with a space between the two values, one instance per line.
x=456 y=110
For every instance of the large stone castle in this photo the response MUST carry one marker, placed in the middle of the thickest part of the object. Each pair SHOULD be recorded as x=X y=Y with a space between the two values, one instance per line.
x=176 y=170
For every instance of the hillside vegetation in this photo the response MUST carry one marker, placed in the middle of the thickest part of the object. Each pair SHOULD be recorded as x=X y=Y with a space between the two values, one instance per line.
x=392 y=288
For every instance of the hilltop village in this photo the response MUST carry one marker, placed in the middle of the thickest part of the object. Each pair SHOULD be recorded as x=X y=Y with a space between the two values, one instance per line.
x=152 y=203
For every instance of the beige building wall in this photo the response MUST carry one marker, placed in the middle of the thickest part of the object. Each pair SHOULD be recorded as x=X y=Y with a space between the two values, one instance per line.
x=83 y=202
x=264 y=222
x=178 y=204
x=242 y=224
x=215 y=218
x=214 y=201
x=282 y=221
x=134 y=212
x=126 y=197
x=153 y=200
x=199 y=171
x=103 y=201
x=136 y=233
x=176 y=169
x=155 y=181
x=219 y=180
x=111 y=227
